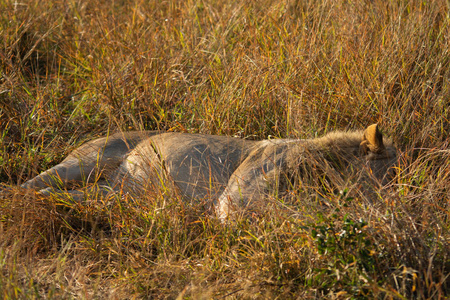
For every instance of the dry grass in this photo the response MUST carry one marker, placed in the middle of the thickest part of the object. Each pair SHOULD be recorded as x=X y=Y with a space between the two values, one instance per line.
x=74 y=70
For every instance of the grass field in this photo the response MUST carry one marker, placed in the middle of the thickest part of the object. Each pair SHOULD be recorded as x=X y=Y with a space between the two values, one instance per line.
x=74 y=70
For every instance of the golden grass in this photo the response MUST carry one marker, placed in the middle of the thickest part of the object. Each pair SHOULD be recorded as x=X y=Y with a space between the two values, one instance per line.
x=74 y=70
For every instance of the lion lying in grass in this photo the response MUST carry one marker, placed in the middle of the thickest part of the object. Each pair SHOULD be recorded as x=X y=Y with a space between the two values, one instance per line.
x=231 y=171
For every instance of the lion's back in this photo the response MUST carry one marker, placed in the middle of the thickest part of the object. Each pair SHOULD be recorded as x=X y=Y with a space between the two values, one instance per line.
x=200 y=165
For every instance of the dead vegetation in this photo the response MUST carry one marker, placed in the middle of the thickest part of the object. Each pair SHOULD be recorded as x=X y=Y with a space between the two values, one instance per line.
x=73 y=70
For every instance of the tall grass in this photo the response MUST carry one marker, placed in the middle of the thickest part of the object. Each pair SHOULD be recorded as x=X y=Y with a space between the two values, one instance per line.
x=75 y=70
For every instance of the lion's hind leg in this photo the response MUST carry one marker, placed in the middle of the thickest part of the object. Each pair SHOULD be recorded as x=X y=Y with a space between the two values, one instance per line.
x=73 y=171
x=98 y=190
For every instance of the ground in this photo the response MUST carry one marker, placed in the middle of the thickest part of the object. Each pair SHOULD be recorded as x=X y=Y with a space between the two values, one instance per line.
x=75 y=70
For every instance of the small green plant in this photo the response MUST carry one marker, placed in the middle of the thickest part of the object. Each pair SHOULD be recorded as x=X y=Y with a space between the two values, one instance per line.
x=347 y=250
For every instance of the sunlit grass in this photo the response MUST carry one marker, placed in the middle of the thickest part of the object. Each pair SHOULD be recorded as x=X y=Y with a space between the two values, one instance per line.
x=72 y=71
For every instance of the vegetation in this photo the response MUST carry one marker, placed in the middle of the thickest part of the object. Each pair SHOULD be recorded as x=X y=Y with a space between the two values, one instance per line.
x=72 y=70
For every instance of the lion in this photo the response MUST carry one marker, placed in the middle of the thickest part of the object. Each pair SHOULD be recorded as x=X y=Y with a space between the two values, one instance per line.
x=231 y=172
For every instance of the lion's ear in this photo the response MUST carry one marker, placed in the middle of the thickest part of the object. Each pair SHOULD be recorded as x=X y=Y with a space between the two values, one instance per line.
x=372 y=140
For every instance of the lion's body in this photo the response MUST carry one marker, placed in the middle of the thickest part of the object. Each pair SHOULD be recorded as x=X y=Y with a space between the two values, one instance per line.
x=230 y=171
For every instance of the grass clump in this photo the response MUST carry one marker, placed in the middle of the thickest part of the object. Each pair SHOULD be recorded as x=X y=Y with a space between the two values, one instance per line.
x=72 y=71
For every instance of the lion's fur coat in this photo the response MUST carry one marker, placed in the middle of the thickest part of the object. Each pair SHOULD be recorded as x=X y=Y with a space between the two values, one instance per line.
x=232 y=172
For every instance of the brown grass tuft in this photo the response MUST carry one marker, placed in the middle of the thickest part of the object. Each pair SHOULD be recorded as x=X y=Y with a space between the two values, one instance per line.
x=71 y=71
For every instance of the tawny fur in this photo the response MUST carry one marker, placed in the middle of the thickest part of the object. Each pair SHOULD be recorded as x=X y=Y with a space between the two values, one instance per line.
x=231 y=172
